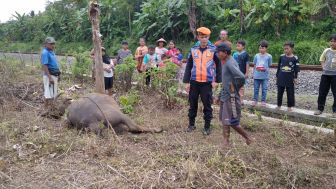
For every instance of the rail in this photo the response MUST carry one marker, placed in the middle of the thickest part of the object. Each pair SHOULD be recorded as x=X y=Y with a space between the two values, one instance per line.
x=274 y=65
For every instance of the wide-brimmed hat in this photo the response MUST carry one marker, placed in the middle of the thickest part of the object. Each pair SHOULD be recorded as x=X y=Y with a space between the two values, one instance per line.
x=161 y=40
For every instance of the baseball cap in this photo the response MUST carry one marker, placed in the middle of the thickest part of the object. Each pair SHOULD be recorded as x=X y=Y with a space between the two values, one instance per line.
x=204 y=31
x=49 y=40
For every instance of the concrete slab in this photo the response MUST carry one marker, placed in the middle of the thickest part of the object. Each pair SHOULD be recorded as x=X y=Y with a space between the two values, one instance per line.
x=295 y=113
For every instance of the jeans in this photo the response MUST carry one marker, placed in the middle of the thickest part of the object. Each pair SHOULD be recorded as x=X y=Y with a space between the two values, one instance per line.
x=264 y=86
x=327 y=82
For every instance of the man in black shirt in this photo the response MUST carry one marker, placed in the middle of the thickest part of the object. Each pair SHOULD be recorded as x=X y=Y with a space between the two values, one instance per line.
x=242 y=58
x=287 y=73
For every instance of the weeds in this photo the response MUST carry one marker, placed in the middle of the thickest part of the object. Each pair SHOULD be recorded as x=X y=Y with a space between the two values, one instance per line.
x=124 y=73
x=277 y=136
x=82 y=66
x=258 y=114
x=128 y=101
x=164 y=81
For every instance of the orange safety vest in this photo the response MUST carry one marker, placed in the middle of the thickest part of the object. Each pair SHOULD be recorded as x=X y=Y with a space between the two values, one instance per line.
x=203 y=64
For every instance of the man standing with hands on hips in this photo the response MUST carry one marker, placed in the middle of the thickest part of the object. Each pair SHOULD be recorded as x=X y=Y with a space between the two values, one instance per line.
x=51 y=71
x=200 y=78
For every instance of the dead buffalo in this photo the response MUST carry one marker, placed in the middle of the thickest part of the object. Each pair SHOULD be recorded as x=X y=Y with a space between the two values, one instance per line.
x=94 y=110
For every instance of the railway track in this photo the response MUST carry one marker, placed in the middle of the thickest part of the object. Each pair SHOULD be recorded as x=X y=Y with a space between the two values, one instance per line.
x=302 y=66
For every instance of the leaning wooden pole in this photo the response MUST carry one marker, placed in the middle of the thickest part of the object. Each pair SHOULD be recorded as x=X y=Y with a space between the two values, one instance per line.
x=94 y=18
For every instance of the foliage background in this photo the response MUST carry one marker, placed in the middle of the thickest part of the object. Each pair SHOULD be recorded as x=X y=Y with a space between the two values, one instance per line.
x=306 y=22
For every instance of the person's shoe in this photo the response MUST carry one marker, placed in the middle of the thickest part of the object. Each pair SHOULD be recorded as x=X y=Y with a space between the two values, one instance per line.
x=263 y=104
x=289 y=109
x=278 y=108
x=318 y=112
x=254 y=103
x=191 y=128
x=206 y=131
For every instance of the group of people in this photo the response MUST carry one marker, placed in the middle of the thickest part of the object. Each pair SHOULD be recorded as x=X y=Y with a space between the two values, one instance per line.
x=147 y=58
x=157 y=57
x=206 y=66
x=209 y=65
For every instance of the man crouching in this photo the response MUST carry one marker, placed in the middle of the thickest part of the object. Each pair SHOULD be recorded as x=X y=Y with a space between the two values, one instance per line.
x=230 y=106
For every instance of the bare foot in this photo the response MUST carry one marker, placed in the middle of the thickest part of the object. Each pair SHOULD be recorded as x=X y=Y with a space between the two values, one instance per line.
x=249 y=141
x=225 y=145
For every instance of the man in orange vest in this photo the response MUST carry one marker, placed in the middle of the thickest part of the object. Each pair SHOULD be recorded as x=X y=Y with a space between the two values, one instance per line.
x=200 y=78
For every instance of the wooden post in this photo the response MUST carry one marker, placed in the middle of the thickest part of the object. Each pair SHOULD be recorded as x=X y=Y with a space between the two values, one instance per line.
x=94 y=18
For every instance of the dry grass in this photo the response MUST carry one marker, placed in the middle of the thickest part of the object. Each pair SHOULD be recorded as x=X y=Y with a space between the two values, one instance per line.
x=37 y=152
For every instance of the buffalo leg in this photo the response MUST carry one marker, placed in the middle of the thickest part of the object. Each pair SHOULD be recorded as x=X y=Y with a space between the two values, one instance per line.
x=132 y=127
x=96 y=128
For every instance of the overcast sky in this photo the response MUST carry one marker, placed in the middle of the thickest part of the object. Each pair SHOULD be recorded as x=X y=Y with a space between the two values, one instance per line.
x=8 y=7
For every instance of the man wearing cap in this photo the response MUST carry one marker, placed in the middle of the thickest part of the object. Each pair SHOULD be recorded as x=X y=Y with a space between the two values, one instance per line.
x=199 y=78
x=51 y=71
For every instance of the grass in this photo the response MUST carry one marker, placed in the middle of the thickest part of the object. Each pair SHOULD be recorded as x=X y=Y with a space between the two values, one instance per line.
x=49 y=155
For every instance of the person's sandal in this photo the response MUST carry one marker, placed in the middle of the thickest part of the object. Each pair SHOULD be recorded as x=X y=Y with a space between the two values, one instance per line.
x=254 y=103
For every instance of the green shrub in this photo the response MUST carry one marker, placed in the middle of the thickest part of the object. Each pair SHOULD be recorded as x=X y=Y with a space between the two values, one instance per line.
x=82 y=65
x=124 y=72
x=164 y=81
x=128 y=101
x=308 y=52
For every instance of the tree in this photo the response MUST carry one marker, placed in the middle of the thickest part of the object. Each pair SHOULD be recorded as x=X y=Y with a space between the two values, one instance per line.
x=192 y=17
x=241 y=16
x=94 y=17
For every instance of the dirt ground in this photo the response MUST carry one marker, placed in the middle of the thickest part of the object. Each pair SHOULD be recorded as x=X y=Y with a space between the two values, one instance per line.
x=37 y=152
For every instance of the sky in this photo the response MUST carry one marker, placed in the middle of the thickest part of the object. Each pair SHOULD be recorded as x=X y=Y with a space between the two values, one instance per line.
x=8 y=7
